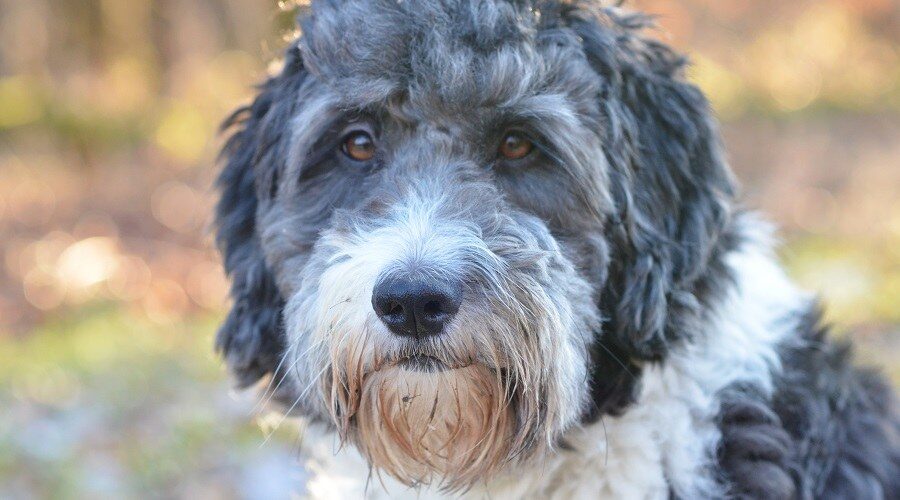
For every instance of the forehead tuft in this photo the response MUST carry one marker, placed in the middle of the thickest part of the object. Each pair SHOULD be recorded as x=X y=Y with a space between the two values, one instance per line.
x=446 y=50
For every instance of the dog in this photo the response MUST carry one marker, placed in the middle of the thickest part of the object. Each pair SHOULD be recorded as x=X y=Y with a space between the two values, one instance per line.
x=493 y=248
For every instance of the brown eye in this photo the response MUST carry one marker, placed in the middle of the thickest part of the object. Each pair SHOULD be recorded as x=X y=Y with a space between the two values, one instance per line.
x=359 y=146
x=515 y=146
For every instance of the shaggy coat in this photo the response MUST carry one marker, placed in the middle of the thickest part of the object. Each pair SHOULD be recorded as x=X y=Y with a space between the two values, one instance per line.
x=622 y=328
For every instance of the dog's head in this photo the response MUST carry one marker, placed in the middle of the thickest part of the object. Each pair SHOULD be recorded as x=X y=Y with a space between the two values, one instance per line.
x=456 y=228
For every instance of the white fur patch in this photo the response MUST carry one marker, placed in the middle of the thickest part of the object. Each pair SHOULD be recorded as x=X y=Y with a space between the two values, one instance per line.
x=665 y=440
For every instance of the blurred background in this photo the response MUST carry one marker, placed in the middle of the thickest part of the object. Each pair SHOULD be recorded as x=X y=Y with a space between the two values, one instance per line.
x=110 y=291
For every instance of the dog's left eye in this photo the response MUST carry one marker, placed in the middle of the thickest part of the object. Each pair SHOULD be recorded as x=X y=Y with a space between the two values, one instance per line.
x=359 y=145
x=515 y=146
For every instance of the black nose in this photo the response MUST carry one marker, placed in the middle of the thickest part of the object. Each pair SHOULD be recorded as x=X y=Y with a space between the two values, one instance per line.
x=416 y=307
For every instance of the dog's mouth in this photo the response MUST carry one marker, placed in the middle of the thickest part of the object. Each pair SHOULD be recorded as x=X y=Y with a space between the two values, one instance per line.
x=427 y=363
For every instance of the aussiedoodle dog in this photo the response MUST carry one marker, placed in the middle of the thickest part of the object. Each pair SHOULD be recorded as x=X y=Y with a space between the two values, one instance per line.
x=491 y=248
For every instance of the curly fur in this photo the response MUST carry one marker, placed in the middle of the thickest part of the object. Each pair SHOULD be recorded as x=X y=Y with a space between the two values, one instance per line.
x=625 y=331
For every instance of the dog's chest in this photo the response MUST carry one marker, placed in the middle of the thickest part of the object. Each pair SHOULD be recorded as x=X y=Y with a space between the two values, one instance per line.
x=660 y=445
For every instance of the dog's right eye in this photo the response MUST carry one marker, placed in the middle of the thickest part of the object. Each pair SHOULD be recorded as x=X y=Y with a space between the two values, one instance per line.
x=515 y=146
x=358 y=146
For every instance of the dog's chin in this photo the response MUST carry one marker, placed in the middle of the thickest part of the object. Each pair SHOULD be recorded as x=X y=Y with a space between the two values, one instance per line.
x=426 y=422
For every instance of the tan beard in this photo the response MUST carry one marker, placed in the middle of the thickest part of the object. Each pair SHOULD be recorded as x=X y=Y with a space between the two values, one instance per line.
x=448 y=427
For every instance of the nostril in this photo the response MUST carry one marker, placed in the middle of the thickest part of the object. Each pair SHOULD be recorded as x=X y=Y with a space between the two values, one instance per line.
x=433 y=308
x=390 y=310
x=394 y=309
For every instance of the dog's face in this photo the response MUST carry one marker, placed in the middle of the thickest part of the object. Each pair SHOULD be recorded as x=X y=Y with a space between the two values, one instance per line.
x=453 y=226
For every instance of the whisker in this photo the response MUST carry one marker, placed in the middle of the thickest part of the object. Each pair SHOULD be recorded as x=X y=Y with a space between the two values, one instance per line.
x=616 y=358
x=266 y=399
x=289 y=410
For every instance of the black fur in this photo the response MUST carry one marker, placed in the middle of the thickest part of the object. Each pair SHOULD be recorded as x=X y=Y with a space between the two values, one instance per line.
x=673 y=193
x=829 y=431
x=754 y=453
x=252 y=338
x=673 y=190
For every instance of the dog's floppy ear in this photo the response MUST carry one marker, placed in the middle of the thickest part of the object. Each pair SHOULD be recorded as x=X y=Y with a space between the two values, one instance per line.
x=672 y=187
x=252 y=339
